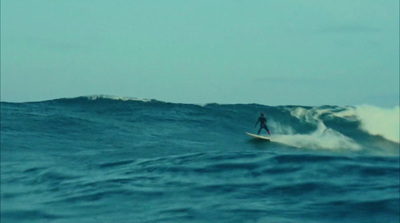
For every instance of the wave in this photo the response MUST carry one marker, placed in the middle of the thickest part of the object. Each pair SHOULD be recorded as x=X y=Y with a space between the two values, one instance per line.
x=323 y=127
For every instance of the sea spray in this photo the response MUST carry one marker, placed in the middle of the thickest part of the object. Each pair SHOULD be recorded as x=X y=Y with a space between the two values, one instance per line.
x=380 y=121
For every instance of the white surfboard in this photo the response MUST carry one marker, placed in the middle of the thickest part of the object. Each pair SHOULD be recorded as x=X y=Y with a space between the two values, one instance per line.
x=259 y=136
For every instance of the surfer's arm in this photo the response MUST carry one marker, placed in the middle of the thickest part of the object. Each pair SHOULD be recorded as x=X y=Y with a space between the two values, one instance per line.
x=257 y=122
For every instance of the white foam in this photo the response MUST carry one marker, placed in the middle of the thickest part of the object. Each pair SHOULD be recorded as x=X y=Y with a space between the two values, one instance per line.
x=374 y=120
x=111 y=97
x=380 y=121
x=323 y=137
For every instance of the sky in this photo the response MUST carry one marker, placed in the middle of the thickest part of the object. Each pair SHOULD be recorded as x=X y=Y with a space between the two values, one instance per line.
x=271 y=52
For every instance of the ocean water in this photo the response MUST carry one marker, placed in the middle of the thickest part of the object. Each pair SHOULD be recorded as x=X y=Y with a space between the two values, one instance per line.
x=109 y=159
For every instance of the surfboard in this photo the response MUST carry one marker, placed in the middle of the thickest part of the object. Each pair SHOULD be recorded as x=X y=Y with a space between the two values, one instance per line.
x=259 y=136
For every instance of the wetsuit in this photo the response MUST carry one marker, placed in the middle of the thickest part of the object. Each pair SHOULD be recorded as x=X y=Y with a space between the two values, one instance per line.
x=263 y=124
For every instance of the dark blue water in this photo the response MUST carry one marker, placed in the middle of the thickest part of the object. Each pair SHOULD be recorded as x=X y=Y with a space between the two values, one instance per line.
x=103 y=159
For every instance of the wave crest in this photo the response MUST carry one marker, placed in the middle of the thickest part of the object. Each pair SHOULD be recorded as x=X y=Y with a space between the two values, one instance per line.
x=384 y=122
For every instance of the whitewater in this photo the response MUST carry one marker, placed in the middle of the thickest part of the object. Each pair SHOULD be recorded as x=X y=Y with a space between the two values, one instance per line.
x=117 y=159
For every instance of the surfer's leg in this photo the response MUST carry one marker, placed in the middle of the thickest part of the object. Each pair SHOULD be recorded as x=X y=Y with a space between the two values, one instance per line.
x=266 y=128
x=259 y=130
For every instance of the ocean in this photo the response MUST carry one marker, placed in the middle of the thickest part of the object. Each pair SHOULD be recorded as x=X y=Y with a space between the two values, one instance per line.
x=95 y=159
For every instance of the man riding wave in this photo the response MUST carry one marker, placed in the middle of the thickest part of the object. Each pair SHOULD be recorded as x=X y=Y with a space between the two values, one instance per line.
x=263 y=124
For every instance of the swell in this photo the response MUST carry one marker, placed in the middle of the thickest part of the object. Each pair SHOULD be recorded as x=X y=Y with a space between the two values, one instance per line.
x=222 y=185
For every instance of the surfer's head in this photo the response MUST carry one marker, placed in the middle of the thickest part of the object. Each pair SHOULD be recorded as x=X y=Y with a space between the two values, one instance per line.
x=262 y=114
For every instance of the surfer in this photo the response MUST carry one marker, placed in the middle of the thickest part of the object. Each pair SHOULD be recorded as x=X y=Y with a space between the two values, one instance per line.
x=263 y=124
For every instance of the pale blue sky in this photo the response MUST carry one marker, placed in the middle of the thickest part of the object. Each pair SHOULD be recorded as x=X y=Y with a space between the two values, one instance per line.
x=273 y=52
